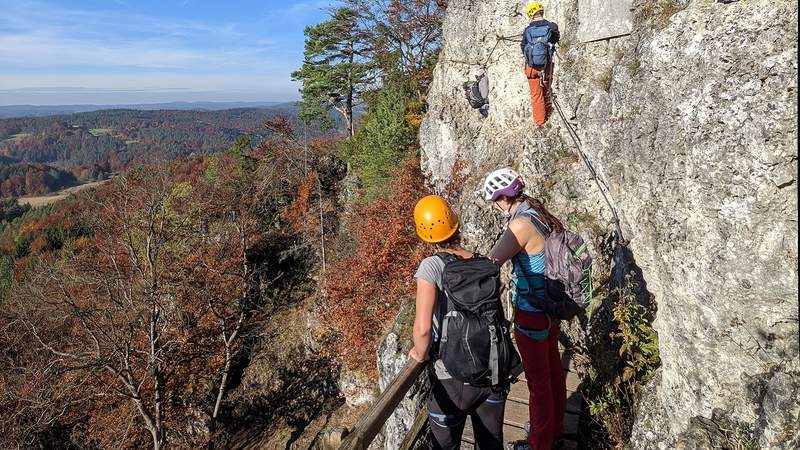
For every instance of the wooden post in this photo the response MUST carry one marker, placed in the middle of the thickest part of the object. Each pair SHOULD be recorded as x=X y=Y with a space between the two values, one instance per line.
x=372 y=421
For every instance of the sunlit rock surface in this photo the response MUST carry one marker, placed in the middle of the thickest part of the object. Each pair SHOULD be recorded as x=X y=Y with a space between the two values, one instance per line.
x=691 y=122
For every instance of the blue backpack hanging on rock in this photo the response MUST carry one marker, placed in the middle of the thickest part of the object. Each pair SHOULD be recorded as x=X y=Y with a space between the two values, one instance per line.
x=538 y=48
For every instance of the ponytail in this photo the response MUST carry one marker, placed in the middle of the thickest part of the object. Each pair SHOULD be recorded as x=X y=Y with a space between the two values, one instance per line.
x=548 y=219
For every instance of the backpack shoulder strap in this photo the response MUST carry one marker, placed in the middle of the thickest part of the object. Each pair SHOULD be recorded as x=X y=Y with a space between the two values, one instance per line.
x=543 y=228
x=533 y=216
x=447 y=306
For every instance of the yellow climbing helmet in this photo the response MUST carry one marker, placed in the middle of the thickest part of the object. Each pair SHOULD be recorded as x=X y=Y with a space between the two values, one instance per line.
x=534 y=8
x=434 y=219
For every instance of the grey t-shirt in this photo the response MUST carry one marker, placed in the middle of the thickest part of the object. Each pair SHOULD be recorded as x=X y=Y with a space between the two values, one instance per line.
x=430 y=270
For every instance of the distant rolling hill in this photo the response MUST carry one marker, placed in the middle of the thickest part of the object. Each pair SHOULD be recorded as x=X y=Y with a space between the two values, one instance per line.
x=115 y=139
x=12 y=111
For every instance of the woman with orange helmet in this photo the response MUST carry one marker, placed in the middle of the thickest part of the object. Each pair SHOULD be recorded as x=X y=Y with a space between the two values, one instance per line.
x=450 y=400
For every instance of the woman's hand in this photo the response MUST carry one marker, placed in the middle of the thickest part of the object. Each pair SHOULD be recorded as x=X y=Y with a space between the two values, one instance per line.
x=416 y=356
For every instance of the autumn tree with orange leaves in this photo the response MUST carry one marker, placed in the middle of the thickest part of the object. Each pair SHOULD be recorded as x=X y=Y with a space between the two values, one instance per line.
x=160 y=290
x=367 y=287
x=141 y=322
x=404 y=36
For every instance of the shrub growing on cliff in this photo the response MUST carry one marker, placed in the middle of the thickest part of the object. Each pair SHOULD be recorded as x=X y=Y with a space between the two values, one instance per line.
x=614 y=403
x=365 y=289
x=381 y=142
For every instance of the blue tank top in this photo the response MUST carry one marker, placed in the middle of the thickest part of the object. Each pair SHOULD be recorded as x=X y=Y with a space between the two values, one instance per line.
x=528 y=273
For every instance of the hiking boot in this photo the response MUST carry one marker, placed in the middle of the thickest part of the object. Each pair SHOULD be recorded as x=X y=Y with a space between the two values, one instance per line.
x=519 y=445
x=559 y=443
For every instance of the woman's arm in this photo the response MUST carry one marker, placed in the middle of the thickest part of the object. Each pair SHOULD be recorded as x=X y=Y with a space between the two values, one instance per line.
x=426 y=299
x=511 y=242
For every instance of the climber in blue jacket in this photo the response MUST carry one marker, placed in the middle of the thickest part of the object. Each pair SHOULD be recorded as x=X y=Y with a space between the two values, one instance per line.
x=538 y=46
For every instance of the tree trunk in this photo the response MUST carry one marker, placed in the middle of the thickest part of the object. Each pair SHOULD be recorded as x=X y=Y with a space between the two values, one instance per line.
x=159 y=425
x=348 y=107
x=156 y=440
x=223 y=383
x=349 y=111
x=228 y=341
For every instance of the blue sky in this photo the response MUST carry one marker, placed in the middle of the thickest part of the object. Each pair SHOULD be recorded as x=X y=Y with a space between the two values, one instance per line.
x=149 y=51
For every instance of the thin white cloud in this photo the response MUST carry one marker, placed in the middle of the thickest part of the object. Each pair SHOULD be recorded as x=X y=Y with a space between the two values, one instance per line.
x=36 y=50
x=45 y=45
x=275 y=82
x=301 y=11
x=71 y=37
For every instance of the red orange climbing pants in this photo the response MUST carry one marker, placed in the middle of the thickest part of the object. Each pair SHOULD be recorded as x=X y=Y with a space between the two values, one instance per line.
x=539 y=92
x=548 y=391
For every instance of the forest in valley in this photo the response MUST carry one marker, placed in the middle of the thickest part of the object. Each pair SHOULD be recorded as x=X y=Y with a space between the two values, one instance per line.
x=114 y=139
x=38 y=179
x=125 y=309
x=152 y=310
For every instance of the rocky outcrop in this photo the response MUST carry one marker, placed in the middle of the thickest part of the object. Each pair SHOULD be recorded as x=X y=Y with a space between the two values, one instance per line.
x=392 y=357
x=691 y=123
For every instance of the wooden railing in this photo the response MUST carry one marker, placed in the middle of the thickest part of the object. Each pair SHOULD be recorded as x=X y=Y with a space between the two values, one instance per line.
x=372 y=421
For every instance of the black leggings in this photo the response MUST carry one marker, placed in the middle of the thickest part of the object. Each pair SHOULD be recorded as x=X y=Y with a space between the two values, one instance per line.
x=449 y=403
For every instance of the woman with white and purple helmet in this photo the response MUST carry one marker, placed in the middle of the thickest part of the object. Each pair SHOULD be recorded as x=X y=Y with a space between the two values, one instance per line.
x=536 y=333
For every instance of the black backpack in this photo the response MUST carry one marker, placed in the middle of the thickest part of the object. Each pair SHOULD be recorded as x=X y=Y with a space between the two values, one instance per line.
x=475 y=345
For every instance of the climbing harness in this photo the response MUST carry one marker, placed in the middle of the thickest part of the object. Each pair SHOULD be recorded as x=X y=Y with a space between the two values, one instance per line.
x=535 y=334
x=600 y=183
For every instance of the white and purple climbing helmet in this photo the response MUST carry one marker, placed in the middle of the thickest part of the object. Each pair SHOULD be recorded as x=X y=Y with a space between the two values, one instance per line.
x=502 y=182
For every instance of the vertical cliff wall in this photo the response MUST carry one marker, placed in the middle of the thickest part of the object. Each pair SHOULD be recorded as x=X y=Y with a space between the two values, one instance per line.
x=691 y=122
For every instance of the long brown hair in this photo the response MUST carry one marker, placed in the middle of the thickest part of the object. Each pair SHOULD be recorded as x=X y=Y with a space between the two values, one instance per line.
x=549 y=219
x=452 y=243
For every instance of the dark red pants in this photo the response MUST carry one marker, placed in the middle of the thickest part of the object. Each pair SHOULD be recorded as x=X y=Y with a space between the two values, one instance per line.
x=546 y=382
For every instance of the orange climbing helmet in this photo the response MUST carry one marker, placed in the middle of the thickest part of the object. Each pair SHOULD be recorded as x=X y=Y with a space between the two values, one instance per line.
x=534 y=8
x=435 y=220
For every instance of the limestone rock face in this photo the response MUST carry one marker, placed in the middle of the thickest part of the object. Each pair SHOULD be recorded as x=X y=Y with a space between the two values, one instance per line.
x=616 y=19
x=392 y=357
x=691 y=124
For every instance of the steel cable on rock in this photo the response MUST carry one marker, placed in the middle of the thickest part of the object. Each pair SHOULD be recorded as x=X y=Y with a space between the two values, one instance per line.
x=485 y=64
x=570 y=130
x=578 y=145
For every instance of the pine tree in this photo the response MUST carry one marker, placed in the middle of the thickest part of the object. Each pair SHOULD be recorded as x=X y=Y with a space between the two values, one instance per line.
x=382 y=141
x=335 y=70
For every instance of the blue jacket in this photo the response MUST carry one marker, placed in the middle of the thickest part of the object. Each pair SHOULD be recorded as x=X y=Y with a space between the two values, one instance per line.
x=537 y=23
